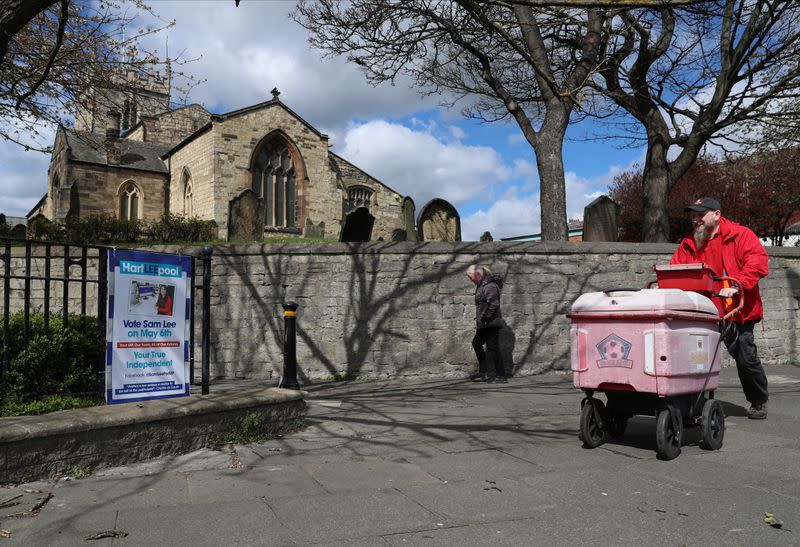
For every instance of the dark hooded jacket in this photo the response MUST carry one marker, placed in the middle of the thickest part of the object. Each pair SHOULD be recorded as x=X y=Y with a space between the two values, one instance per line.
x=487 y=302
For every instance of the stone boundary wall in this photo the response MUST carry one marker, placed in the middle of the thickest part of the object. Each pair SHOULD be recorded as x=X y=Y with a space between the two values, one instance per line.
x=406 y=309
x=38 y=447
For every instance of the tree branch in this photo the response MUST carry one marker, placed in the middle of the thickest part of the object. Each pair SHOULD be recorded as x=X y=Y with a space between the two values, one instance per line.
x=62 y=23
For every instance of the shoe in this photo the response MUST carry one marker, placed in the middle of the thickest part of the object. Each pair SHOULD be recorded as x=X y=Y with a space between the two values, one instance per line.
x=757 y=412
x=478 y=377
x=497 y=380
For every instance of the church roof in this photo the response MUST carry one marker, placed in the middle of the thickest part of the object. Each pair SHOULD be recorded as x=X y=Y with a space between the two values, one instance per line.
x=336 y=159
x=234 y=114
x=90 y=148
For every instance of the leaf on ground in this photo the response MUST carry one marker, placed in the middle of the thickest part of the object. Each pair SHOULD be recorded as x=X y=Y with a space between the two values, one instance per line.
x=106 y=534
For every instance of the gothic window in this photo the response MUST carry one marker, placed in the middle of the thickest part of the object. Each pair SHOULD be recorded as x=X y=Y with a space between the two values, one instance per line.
x=188 y=205
x=130 y=202
x=188 y=209
x=126 y=114
x=358 y=196
x=274 y=182
x=130 y=114
x=56 y=193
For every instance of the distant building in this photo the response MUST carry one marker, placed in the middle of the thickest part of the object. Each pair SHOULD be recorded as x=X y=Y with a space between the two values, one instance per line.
x=132 y=156
x=791 y=236
x=574 y=233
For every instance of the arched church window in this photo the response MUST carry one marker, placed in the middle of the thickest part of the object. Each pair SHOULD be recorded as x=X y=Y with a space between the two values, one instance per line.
x=126 y=114
x=358 y=196
x=130 y=201
x=56 y=192
x=274 y=181
x=188 y=204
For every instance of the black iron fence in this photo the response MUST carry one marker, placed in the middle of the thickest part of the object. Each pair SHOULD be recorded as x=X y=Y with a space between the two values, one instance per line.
x=68 y=280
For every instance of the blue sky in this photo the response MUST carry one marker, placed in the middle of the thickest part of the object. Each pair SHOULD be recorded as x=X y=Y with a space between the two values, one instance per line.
x=486 y=170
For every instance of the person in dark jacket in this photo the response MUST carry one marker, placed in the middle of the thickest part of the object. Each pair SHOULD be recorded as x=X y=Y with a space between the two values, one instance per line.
x=732 y=250
x=488 y=321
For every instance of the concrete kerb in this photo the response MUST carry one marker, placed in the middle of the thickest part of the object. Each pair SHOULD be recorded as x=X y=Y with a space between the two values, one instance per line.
x=35 y=447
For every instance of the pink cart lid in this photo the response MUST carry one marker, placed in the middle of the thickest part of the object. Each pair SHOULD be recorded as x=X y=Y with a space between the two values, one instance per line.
x=656 y=300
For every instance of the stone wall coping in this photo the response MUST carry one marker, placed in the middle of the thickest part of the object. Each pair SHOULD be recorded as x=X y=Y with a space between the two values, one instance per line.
x=437 y=248
x=410 y=247
x=19 y=428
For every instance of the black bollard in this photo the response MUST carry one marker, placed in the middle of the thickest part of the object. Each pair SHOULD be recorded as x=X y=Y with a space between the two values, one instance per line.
x=289 y=378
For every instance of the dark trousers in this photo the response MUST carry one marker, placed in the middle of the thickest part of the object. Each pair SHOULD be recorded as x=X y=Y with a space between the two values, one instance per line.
x=488 y=336
x=751 y=373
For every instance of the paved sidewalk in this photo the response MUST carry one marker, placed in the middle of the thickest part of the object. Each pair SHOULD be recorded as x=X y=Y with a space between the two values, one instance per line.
x=445 y=463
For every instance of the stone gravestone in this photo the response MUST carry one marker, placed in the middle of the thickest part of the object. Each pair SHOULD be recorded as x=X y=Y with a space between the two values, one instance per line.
x=245 y=217
x=314 y=230
x=409 y=214
x=398 y=234
x=601 y=220
x=439 y=221
x=19 y=231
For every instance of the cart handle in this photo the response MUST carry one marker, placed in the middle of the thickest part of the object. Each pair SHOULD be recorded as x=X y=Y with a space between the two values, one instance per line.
x=740 y=294
x=620 y=289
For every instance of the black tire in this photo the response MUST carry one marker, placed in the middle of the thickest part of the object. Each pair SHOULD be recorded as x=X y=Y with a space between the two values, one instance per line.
x=713 y=425
x=617 y=425
x=668 y=440
x=591 y=432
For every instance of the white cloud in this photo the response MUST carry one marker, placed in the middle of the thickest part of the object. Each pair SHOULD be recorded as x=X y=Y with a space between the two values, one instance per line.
x=517 y=214
x=23 y=179
x=23 y=175
x=246 y=51
x=417 y=163
x=504 y=218
x=516 y=138
x=457 y=132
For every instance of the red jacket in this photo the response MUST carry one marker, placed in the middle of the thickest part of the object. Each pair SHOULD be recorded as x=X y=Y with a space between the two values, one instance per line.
x=744 y=259
x=164 y=306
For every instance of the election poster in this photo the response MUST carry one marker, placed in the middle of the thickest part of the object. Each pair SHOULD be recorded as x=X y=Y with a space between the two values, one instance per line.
x=149 y=302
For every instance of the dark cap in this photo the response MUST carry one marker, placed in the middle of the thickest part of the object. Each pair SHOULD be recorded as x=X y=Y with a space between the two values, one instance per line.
x=703 y=204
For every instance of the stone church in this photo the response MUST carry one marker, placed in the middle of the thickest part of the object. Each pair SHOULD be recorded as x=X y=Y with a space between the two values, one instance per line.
x=257 y=171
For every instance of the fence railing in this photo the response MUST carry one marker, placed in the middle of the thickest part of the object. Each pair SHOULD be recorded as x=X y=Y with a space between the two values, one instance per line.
x=57 y=278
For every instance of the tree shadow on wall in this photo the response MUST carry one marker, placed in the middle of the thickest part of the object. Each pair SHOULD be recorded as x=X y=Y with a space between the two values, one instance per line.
x=370 y=317
x=507 y=340
x=384 y=298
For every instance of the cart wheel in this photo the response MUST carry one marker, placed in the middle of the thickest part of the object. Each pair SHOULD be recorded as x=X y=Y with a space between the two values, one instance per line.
x=617 y=425
x=713 y=425
x=591 y=433
x=668 y=439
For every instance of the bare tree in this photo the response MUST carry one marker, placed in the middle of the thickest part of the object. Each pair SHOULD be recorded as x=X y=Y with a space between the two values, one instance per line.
x=508 y=59
x=696 y=76
x=55 y=53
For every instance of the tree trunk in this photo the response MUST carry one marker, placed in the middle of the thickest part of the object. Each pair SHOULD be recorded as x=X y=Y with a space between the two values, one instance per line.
x=14 y=15
x=550 y=163
x=656 y=184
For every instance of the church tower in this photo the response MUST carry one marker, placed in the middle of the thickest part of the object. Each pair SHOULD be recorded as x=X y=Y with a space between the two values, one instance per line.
x=132 y=94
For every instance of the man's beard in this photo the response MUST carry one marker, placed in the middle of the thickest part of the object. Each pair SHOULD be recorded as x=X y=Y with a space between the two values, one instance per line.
x=701 y=233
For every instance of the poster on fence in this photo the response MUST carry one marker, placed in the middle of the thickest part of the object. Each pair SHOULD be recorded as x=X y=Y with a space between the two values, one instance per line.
x=147 y=352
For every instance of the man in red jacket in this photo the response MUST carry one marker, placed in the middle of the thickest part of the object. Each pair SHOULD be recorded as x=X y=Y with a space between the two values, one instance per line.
x=732 y=250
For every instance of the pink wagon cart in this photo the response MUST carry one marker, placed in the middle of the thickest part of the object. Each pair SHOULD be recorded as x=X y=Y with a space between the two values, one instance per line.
x=652 y=352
